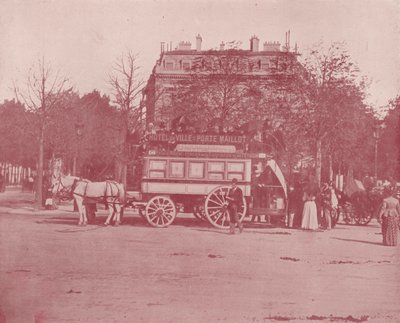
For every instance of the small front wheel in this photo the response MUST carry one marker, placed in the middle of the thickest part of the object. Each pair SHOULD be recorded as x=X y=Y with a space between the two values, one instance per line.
x=160 y=211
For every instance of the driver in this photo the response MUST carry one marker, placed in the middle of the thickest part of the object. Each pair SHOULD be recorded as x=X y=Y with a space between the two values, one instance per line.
x=235 y=201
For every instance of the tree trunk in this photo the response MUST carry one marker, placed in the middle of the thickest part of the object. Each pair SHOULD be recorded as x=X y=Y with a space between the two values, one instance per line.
x=330 y=168
x=318 y=162
x=125 y=157
x=124 y=175
x=39 y=182
x=118 y=170
x=339 y=186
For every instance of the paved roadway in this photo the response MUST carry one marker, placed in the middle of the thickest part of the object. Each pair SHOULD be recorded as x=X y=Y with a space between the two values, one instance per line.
x=54 y=271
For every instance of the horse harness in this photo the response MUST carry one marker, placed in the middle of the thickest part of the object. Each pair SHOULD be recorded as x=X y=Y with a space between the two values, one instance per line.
x=105 y=197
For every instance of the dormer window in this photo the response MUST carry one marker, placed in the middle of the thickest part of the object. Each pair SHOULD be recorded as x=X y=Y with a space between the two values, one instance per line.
x=186 y=65
x=169 y=65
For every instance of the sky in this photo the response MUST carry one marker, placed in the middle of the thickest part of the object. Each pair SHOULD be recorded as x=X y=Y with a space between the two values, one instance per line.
x=83 y=38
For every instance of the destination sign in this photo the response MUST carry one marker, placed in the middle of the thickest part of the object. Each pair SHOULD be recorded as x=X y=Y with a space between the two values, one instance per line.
x=198 y=138
x=206 y=148
x=208 y=155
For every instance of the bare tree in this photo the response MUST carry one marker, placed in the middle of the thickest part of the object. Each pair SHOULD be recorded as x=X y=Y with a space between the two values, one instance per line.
x=42 y=92
x=127 y=88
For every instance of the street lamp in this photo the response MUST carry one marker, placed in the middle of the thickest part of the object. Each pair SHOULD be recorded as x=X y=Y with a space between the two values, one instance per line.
x=377 y=135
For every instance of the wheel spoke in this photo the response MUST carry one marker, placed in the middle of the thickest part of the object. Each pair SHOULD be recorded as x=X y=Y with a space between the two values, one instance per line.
x=218 y=197
x=166 y=218
x=220 y=214
x=152 y=217
x=216 y=202
x=158 y=220
x=212 y=214
x=162 y=219
x=224 y=218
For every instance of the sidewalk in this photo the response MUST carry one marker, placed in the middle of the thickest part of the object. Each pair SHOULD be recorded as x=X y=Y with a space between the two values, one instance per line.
x=14 y=201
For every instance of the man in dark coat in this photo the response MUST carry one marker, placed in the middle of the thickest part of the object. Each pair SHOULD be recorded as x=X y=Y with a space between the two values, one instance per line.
x=295 y=204
x=235 y=201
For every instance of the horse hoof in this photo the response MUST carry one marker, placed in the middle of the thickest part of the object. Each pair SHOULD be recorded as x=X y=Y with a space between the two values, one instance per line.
x=117 y=224
x=79 y=223
x=84 y=224
x=106 y=223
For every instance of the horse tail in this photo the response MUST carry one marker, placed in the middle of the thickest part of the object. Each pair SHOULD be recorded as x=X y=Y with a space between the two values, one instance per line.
x=121 y=194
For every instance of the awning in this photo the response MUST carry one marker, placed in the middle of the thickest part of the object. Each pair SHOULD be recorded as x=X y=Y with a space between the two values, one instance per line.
x=275 y=168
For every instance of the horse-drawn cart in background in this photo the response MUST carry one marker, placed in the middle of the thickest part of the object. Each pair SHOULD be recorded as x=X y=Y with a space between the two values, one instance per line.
x=358 y=206
x=192 y=172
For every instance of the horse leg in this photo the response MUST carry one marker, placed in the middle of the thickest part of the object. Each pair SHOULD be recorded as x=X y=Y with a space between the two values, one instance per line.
x=110 y=214
x=79 y=205
x=84 y=214
x=117 y=208
x=82 y=211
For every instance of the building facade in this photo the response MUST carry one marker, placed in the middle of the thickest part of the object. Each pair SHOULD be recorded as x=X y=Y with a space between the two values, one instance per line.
x=269 y=62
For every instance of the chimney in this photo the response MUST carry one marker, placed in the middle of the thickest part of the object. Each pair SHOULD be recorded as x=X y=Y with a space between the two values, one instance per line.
x=272 y=46
x=222 y=46
x=184 y=45
x=198 y=42
x=286 y=48
x=254 y=43
x=162 y=47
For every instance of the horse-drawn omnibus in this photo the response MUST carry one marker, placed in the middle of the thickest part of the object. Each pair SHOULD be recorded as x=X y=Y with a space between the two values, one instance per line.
x=192 y=173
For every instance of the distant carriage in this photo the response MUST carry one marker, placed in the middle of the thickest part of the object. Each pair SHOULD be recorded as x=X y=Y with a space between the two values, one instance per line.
x=357 y=206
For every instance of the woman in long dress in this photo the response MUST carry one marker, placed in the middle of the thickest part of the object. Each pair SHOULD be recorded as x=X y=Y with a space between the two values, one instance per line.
x=389 y=218
x=310 y=217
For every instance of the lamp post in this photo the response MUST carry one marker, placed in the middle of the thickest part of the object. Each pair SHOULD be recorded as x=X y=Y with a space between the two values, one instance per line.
x=377 y=135
x=78 y=131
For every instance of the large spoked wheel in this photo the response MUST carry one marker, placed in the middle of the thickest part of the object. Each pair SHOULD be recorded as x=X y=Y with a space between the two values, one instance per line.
x=348 y=214
x=362 y=216
x=216 y=207
x=160 y=211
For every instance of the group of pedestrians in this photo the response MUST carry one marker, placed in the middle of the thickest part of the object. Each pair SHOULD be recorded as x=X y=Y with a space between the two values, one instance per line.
x=311 y=208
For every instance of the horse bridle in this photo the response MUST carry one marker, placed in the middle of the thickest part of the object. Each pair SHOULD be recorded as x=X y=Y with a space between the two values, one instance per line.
x=64 y=191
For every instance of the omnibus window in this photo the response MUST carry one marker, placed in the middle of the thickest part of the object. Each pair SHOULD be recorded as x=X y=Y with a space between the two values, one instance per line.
x=196 y=170
x=235 y=167
x=238 y=176
x=177 y=169
x=235 y=170
x=216 y=170
x=216 y=166
x=157 y=168
x=156 y=174
x=215 y=175
x=157 y=165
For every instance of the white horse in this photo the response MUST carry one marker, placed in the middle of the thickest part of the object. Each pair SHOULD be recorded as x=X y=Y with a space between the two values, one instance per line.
x=108 y=192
